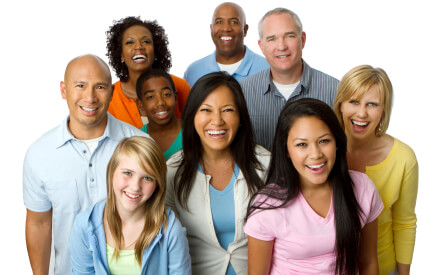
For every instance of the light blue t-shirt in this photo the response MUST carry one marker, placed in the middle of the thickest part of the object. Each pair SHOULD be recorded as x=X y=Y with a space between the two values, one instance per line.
x=223 y=214
x=176 y=146
x=59 y=172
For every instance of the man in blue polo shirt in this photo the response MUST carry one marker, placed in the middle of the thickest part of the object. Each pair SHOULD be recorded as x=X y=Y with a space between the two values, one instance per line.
x=65 y=170
x=228 y=29
x=282 y=39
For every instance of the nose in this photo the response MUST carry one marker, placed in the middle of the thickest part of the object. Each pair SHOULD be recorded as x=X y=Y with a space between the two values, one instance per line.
x=159 y=101
x=139 y=45
x=227 y=26
x=91 y=95
x=281 y=44
x=217 y=119
x=362 y=112
x=315 y=152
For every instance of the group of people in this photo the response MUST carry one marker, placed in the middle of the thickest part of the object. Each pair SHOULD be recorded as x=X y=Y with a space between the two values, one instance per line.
x=265 y=166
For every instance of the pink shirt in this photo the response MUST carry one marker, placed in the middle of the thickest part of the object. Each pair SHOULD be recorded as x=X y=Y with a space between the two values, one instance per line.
x=304 y=242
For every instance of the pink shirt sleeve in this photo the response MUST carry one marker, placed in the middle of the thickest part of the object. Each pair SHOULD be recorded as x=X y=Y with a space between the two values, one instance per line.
x=367 y=196
x=261 y=224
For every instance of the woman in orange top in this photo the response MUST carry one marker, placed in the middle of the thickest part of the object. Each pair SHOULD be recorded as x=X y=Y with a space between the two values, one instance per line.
x=134 y=46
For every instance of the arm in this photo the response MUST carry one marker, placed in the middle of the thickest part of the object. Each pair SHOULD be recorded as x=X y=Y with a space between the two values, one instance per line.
x=38 y=230
x=368 y=261
x=404 y=216
x=259 y=256
x=403 y=269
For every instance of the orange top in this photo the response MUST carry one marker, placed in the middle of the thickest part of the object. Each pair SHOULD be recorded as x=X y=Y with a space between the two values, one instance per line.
x=125 y=109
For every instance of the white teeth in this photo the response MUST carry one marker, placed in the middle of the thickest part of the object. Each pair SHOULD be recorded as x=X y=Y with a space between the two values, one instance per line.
x=282 y=56
x=226 y=38
x=139 y=56
x=316 y=166
x=161 y=113
x=360 y=123
x=132 y=196
x=220 y=132
x=88 y=109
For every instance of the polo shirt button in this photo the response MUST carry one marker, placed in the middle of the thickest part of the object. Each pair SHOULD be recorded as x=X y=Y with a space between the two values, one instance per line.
x=90 y=165
x=84 y=151
x=92 y=180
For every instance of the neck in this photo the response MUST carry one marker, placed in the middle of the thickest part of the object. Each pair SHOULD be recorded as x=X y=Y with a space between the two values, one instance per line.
x=174 y=124
x=287 y=77
x=129 y=218
x=129 y=87
x=354 y=144
x=88 y=132
x=227 y=60
x=216 y=157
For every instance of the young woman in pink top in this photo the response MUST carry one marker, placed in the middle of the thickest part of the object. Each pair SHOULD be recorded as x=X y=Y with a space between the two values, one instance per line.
x=313 y=216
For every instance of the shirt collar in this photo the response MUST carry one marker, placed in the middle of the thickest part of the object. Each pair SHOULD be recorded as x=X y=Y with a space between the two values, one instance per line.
x=111 y=131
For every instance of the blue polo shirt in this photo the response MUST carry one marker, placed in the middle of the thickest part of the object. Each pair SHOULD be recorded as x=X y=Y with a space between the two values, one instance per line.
x=251 y=64
x=59 y=172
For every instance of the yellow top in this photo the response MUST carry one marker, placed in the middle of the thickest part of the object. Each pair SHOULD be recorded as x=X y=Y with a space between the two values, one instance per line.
x=125 y=265
x=396 y=179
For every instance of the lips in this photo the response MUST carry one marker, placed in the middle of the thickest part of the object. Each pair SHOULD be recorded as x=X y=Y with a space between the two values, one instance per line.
x=226 y=38
x=317 y=168
x=89 y=110
x=216 y=133
x=132 y=196
x=139 y=58
x=161 y=114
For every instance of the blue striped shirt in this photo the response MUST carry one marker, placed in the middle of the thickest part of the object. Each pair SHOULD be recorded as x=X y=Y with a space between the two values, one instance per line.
x=265 y=102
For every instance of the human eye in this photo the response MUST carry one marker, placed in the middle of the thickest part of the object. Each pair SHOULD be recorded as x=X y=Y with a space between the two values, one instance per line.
x=79 y=85
x=148 y=178
x=325 y=140
x=301 y=144
x=354 y=102
x=291 y=35
x=205 y=109
x=127 y=173
x=147 y=41
x=228 y=110
x=372 y=104
x=270 y=39
x=129 y=42
x=235 y=22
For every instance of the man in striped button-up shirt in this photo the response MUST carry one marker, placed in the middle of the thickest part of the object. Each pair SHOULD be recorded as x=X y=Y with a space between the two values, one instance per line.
x=289 y=77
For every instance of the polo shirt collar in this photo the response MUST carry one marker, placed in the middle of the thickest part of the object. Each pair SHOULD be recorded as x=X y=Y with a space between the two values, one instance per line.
x=111 y=131
x=244 y=67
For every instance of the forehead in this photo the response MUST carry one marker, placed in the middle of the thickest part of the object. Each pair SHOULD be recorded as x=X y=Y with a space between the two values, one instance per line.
x=220 y=95
x=373 y=93
x=279 y=23
x=228 y=11
x=156 y=82
x=136 y=31
x=308 y=127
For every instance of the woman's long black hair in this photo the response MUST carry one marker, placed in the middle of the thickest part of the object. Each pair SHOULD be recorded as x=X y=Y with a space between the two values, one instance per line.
x=283 y=181
x=242 y=147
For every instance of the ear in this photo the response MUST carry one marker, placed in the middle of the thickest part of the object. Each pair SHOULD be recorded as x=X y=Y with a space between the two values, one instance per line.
x=63 y=90
x=139 y=104
x=303 y=38
x=261 y=46
x=245 y=30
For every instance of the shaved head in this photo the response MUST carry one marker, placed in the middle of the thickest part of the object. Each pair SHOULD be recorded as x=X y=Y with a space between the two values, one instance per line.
x=224 y=5
x=83 y=60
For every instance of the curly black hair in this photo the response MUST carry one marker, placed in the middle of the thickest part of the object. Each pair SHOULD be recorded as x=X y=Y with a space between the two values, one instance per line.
x=114 y=45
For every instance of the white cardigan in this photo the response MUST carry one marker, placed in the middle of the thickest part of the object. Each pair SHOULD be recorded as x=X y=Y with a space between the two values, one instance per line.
x=208 y=257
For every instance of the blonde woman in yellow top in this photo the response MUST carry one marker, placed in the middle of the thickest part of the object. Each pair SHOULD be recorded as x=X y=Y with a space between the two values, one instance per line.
x=363 y=107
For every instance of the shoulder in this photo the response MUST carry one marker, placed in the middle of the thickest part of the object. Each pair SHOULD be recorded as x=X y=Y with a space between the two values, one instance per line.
x=405 y=151
x=263 y=155
x=48 y=139
x=173 y=163
x=363 y=187
x=123 y=129
x=318 y=75
x=174 y=227
x=180 y=84
x=204 y=60
x=258 y=80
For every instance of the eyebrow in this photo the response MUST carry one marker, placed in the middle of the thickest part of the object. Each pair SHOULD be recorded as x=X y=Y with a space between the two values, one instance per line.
x=326 y=134
x=230 y=18
x=162 y=89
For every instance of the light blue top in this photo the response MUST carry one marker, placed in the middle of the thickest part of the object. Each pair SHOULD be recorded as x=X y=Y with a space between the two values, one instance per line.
x=223 y=214
x=176 y=146
x=168 y=253
x=251 y=64
x=59 y=172
x=265 y=102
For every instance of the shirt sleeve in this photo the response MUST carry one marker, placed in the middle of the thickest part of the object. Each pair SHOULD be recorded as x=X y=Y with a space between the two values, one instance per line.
x=178 y=250
x=170 y=195
x=81 y=257
x=34 y=195
x=403 y=212
x=260 y=224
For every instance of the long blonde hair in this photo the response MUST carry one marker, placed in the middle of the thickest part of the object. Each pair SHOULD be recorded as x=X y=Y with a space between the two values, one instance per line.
x=147 y=153
x=358 y=81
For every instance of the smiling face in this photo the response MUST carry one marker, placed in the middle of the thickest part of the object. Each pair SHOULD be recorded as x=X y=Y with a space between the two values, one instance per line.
x=87 y=90
x=282 y=44
x=137 y=49
x=228 y=30
x=158 y=100
x=312 y=150
x=132 y=186
x=217 y=120
x=362 y=116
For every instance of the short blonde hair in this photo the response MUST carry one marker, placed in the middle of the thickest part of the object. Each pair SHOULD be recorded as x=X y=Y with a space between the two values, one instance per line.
x=151 y=160
x=358 y=81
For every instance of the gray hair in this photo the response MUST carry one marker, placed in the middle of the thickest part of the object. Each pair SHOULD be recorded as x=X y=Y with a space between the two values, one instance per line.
x=280 y=11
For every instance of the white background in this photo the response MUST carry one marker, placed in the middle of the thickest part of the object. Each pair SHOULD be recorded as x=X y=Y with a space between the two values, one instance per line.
x=38 y=38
